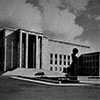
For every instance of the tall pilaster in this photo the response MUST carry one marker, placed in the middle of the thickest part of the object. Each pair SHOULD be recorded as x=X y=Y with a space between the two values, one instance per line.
x=20 y=61
x=26 y=57
x=37 y=53
x=12 y=54
x=5 y=54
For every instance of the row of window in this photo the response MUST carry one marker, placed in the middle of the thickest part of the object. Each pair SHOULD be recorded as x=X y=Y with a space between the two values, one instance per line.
x=95 y=57
x=62 y=59
x=90 y=64
x=56 y=68
x=90 y=71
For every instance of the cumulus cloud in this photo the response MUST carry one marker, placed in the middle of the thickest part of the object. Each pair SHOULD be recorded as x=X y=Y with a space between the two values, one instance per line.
x=60 y=22
x=20 y=13
x=44 y=15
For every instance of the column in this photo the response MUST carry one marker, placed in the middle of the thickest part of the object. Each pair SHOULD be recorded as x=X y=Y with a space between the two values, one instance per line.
x=5 y=54
x=20 y=61
x=12 y=54
x=37 y=53
x=40 y=53
x=34 y=55
x=26 y=51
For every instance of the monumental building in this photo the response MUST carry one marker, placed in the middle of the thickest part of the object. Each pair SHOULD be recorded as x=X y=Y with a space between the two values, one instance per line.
x=28 y=49
x=89 y=64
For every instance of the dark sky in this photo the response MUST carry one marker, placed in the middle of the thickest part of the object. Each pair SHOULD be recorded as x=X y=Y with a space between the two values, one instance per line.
x=90 y=21
x=75 y=21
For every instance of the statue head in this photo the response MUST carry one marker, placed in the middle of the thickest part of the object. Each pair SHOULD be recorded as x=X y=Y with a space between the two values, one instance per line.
x=75 y=51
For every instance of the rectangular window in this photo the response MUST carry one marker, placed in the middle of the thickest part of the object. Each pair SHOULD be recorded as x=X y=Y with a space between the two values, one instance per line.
x=51 y=61
x=64 y=62
x=90 y=57
x=60 y=56
x=64 y=59
x=51 y=58
x=55 y=58
x=55 y=68
x=60 y=59
x=68 y=62
x=51 y=55
x=60 y=62
x=51 y=68
x=68 y=57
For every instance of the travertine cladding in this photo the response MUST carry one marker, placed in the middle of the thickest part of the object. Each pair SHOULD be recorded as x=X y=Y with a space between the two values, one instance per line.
x=56 y=47
x=66 y=48
x=45 y=53
x=11 y=39
x=8 y=31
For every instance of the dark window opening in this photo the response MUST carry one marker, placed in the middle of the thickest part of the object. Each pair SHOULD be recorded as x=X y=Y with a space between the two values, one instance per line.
x=68 y=63
x=51 y=68
x=55 y=58
x=68 y=57
x=51 y=61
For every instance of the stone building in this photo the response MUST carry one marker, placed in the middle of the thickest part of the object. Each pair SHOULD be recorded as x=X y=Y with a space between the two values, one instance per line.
x=28 y=49
x=89 y=64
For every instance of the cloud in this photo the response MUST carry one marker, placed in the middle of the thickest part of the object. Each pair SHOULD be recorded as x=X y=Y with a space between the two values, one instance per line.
x=20 y=13
x=60 y=22
x=90 y=21
x=43 y=15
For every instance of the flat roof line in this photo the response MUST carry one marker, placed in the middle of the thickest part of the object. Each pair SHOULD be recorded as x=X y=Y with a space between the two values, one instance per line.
x=59 y=41
x=50 y=39
x=11 y=29
x=90 y=53
x=6 y=28
x=31 y=31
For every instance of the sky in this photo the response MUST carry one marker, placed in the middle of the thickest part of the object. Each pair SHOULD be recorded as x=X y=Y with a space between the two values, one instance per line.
x=76 y=21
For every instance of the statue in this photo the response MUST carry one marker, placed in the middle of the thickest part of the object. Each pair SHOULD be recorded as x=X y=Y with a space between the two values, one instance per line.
x=72 y=70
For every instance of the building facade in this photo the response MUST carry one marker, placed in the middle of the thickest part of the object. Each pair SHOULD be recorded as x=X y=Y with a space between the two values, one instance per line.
x=28 y=49
x=89 y=64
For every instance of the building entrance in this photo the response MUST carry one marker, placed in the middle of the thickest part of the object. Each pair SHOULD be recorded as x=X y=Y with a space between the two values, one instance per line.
x=31 y=51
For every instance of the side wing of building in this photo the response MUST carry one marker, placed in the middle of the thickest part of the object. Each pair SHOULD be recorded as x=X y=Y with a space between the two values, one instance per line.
x=57 y=54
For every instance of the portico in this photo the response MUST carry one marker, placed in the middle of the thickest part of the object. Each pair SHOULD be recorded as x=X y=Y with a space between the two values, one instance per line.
x=22 y=48
x=30 y=50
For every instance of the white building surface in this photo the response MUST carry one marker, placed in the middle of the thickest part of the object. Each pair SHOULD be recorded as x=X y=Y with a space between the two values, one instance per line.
x=28 y=49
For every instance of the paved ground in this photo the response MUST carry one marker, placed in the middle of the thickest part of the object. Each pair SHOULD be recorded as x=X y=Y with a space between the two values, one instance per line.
x=11 y=89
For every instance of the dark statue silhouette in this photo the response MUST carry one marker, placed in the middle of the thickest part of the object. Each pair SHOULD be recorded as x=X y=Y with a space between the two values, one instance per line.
x=72 y=70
